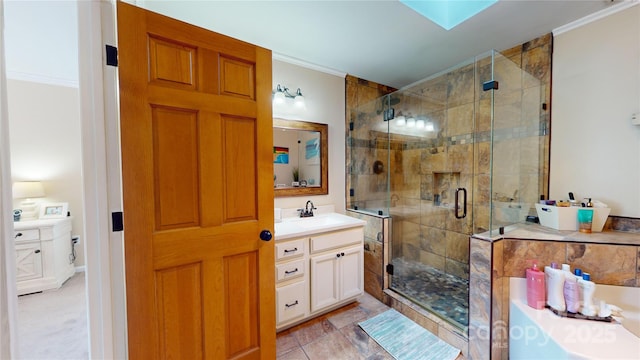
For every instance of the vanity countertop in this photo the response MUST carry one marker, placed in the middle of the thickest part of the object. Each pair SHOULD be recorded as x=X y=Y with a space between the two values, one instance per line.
x=292 y=227
x=528 y=231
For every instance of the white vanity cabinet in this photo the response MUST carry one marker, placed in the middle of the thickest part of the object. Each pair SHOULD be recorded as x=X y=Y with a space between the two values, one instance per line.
x=292 y=281
x=43 y=254
x=317 y=270
x=337 y=267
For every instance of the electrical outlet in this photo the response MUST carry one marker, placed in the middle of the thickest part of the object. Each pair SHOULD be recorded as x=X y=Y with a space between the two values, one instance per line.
x=635 y=119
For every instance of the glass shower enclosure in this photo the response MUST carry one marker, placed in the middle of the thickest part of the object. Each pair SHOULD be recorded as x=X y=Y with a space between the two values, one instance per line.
x=461 y=152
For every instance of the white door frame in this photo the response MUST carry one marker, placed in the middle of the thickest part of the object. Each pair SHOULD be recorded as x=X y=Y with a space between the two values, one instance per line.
x=104 y=250
x=8 y=293
x=101 y=190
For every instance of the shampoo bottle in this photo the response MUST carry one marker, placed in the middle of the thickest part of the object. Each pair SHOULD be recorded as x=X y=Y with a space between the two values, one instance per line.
x=570 y=290
x=587 y=288
x=578 y=276
x=571 y=294
x=535 y=287
x=555 y=287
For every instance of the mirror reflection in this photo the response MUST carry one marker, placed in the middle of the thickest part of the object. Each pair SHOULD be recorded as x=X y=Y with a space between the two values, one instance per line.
x=299 y=158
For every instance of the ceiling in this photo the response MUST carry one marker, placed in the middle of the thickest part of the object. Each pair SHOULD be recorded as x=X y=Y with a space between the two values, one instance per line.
x=382 y=41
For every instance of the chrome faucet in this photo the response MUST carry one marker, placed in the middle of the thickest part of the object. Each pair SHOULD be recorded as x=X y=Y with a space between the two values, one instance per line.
x=308 y=209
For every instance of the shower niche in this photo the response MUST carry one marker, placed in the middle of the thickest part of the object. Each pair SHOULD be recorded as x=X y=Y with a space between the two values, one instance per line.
x=449 y=149
x=443 y=188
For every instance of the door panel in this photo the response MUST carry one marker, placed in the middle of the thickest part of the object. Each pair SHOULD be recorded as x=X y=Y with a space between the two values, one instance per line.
x=240 y=169
x=243 y=302
x=180 y=311
x=196 y=135
x=172 y=63
x=176 y=167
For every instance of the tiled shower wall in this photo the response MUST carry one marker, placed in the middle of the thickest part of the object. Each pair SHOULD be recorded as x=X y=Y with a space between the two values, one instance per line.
x=437 y=164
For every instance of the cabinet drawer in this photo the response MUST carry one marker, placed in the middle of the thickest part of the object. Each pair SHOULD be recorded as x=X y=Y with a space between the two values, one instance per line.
x=289 y=270
x=291 y=302
x=31 y=234
x=289 y=249
x=336 y=239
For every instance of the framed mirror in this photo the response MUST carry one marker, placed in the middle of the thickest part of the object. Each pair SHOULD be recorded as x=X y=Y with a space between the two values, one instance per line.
x=300 y=158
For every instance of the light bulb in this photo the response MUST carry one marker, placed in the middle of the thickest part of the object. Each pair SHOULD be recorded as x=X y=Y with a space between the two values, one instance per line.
x=429 y=126
x=411 y=122
x=420 y=124
x=400 y=120
x=299 y=100
x=278 y=98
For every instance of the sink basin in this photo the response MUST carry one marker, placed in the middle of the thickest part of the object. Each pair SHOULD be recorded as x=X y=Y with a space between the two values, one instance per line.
x=320 y=221
x=294 y=227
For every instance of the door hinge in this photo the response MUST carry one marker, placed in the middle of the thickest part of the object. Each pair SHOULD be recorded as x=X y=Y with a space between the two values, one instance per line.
x=117 y=221
x=111 y=55
x=390 y=269
x=490 y=85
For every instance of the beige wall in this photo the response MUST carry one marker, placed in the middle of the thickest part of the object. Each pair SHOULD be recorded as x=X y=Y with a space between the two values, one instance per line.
x=595 y=150
x=324 y=97
x=44 y=125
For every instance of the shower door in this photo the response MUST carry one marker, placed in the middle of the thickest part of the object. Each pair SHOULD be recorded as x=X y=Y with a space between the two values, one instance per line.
x=432 y=176
x=460 y=153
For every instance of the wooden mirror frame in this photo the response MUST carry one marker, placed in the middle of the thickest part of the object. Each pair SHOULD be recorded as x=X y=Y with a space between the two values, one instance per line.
x=323 y=189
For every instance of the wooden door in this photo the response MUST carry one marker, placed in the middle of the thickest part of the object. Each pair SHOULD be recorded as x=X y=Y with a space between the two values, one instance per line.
x=196 y=138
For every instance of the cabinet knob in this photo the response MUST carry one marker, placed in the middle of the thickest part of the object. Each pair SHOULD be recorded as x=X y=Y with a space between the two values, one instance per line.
x=37 y=251
x=337 y=255
x=265 y=235
x=341 y=254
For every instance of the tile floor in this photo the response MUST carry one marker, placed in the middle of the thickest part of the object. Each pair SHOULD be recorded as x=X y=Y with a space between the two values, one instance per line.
x=335 y=335
x=442 y=293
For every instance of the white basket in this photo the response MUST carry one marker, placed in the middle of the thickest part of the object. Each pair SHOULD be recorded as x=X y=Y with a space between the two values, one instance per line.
x=566 y=218
x=559 y=218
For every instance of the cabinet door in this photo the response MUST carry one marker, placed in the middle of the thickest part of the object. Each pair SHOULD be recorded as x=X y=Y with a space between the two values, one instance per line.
x=28 y=261
x=351 y=272
x=324 y=281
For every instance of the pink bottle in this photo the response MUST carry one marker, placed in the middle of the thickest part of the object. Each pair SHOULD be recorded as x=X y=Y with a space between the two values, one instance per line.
x=535 y=287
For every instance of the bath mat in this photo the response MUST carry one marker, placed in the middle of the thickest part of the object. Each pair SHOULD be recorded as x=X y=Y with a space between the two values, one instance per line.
x=406 y=340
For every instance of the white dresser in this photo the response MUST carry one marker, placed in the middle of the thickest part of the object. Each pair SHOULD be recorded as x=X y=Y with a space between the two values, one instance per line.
x=43 y=254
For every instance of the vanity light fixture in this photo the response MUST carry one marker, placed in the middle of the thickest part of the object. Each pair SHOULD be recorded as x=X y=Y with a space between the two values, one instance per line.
x=282 y=93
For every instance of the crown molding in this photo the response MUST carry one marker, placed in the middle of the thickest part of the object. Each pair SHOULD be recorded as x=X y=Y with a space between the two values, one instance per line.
x=596 y=16
x=307 y=65
x=42 y=79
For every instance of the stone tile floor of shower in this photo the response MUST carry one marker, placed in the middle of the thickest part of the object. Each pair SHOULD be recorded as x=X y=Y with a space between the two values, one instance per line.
x=444 y=294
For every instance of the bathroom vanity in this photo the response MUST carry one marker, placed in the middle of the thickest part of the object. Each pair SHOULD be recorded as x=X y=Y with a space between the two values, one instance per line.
x=319 y=266
x=43 y=254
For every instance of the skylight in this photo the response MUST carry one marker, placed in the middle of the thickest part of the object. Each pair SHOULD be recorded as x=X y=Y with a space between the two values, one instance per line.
x=448 y=13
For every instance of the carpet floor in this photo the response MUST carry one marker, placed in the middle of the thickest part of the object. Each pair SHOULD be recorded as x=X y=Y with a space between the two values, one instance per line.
x=53 y=324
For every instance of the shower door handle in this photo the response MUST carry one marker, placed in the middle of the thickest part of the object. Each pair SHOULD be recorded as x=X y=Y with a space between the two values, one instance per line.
x=464 y=203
